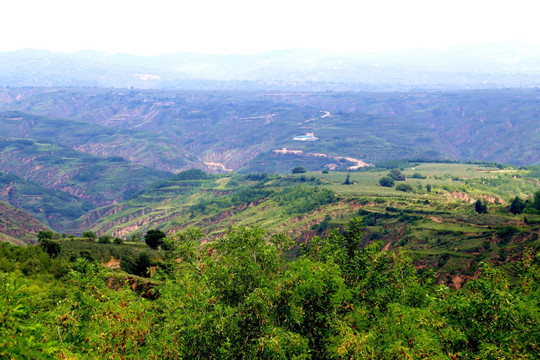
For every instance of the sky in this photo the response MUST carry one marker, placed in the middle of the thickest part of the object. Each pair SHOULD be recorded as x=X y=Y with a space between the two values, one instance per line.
x=154 y=27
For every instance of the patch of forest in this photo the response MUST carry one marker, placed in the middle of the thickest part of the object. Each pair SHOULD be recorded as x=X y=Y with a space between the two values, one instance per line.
x=241 y=296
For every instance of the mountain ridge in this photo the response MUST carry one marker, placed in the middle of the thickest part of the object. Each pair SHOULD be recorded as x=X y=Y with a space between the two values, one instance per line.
x=495 y=65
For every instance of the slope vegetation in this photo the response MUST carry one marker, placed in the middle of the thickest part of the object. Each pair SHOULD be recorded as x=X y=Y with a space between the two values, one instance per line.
x=18 y=227
x=55 y=208
x=433 y=217
x=100 y=181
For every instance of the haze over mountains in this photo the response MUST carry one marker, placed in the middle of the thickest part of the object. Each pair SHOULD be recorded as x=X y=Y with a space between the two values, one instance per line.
x=498 y=65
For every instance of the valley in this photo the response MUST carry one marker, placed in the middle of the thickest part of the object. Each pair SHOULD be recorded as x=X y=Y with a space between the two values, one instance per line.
x=390 y=203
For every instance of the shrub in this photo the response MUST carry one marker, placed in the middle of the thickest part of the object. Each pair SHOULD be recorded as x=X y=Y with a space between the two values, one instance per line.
x=397 y=175
x=506 y=233
x=386 y=181
x=104 y=239
x=404 y=187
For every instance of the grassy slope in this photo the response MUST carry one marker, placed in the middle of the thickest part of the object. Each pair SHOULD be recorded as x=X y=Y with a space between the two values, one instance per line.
x=438 y=228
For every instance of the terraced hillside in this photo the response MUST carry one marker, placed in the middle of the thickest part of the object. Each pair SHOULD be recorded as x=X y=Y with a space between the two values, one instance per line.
x=100 y=181
x=138 y=147
x=56 y=209
x=434 y=218
x=18 y=227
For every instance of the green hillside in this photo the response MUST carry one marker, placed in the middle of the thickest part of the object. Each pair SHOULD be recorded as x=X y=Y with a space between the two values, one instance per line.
x=136 y=146
x=378 y=240
x=434 y=219
x=99 y=181
x=241 y=297
x=54 y=208
x=18 y=227
x=312 y=265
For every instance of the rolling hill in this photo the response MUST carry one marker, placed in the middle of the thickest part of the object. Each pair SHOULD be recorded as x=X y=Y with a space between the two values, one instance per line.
x=433 y=219
x=56 y=209
x=100 y=181
x=177 y=130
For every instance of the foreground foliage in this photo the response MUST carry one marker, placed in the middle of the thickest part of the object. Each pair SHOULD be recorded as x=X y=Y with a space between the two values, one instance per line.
x=239 y=297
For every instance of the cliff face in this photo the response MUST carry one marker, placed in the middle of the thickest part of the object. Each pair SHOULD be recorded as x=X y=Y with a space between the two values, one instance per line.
x=20 y=227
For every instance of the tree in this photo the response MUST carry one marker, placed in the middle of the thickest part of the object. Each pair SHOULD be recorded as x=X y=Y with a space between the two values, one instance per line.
x=298 y=170
x=536 y=202
x=90 y=235
x=397 y=175
x=386 y=181
x=480 y=207
x=42 y=235
x=517 y=206
x=51 y=247
x=154 y=238
x=104 y=239
x=347 y=180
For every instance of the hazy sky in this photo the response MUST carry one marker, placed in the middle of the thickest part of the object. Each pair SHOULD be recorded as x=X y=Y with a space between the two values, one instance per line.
x=154 y=27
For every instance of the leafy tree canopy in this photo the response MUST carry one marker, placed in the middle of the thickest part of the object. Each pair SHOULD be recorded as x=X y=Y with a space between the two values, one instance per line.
x=480 y=207
x=154 y=238
x=386 y=181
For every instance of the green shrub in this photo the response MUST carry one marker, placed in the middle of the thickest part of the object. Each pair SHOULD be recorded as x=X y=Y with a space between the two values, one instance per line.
x=104 y=239
x=386 y=181
x=404 y=187
x=301 y=199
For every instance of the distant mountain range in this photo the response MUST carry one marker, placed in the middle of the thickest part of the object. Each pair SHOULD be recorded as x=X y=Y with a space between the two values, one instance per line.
x=488 y=66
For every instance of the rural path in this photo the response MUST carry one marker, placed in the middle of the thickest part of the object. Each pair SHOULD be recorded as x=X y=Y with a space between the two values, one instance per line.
x=216 y=165
x=326 y=114
x=359 y=163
